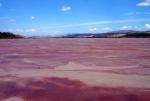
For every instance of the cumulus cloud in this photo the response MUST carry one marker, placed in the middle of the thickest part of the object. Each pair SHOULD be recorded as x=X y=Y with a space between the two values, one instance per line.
x=126 y=27
x=144 y=3
x=147 y=26
x=32 y=17
x=92 y=29
x=66 y=8
x=31 y=30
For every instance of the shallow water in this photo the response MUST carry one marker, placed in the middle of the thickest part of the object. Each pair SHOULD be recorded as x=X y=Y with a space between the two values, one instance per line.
x=75 y=69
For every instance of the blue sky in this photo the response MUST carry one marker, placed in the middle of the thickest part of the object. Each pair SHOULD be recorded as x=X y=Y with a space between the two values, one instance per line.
x=58 y=17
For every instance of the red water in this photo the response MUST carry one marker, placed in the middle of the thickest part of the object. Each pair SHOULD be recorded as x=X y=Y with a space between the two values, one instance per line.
x=51 y=53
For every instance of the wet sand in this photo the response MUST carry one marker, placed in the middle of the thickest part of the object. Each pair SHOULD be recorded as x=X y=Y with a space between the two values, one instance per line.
x=75 y=70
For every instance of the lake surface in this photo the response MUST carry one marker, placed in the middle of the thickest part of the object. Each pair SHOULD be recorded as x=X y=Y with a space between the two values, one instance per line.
x=79 y=69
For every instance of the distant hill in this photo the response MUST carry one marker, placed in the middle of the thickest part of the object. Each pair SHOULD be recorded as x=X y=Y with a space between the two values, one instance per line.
x=9 y=35
x=114 y=34
x=138 y=35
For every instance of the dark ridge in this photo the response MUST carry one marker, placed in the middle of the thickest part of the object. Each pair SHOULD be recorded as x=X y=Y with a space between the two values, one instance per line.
x=138 y=35
x=114 y=34
x=9 y=35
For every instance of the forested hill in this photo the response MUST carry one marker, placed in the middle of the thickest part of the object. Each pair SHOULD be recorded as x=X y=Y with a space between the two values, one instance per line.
x=9 y=35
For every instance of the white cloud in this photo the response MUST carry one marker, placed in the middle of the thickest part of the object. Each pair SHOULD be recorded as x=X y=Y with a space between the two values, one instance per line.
x=106 y=29
x=147 y=26
x=92 y=29
x=19 y=30
x=138 y=13
x=102 y=22
x=1 y=4
x=126 y=27
x=66 y=8
x=136 y=27
x=32 y=17
x=31 y=30
x=144 y=3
